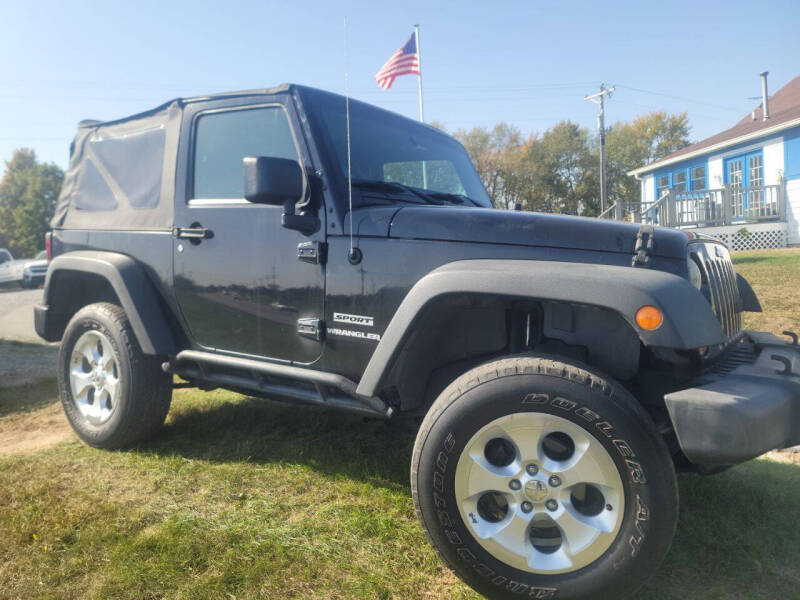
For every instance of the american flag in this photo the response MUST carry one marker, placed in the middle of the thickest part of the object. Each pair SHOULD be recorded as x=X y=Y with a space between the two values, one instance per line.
x=405 y=61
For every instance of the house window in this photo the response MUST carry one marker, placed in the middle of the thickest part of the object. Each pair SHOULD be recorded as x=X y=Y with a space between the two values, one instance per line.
x=698 y=178
x=662 y=183
x=679 y=182
x=756 y=167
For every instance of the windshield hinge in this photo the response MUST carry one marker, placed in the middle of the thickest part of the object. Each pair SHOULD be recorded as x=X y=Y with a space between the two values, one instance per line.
x=313 y=252
x=644 y=247
x=311 y=328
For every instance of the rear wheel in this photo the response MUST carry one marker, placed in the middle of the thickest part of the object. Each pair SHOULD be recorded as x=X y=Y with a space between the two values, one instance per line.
x=541 y=478
x=113 y=395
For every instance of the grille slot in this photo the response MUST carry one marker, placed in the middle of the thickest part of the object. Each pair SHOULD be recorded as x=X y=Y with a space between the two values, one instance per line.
x=743 y=354
x=723 y=290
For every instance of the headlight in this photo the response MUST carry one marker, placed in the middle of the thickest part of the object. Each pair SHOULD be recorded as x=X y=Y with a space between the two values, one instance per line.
x=695 y=276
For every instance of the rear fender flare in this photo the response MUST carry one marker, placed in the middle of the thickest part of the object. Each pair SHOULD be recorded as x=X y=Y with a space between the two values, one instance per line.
x=133 y=288
x=688 y=323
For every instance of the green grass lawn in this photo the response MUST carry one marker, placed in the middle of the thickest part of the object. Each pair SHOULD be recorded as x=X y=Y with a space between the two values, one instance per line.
x=242 y=498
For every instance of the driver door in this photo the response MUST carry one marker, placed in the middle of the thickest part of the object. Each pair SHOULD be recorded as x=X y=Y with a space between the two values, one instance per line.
x=238 y=282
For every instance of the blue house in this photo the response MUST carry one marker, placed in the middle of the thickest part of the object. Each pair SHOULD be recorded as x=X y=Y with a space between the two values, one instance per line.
x=741 y=185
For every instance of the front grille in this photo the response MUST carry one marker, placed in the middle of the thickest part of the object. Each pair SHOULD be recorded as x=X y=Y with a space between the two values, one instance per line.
x=743 y=353
x=719 y=285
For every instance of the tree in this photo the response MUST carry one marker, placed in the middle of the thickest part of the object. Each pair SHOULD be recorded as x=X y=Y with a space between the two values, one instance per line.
x=632 y=145
x=28 y=193
x=558 y=171
x=497 y=154
x=563 y=171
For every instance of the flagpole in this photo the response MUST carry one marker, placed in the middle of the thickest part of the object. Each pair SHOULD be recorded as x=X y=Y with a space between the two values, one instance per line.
x=419 y=75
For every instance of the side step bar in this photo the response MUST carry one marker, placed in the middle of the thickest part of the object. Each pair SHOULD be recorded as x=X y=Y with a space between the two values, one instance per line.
x=279 y=380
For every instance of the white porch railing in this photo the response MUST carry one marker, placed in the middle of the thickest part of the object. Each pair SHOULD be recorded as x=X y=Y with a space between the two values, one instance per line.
x=708 y=208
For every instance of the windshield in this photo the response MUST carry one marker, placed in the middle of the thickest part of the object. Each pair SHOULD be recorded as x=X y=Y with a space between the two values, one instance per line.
x=389 y=148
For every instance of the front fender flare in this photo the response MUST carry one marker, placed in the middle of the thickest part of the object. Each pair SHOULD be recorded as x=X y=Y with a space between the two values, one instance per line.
x=133 y=288
x=688 y=323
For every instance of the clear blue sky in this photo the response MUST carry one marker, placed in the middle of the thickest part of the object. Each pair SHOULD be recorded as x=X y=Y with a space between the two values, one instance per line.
x=528 y=63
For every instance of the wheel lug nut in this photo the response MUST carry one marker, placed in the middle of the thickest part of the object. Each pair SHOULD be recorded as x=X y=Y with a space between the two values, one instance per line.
x=514 y=484
x=551 y=504
x=554 y=481
x=527 y=507
x=532 y=469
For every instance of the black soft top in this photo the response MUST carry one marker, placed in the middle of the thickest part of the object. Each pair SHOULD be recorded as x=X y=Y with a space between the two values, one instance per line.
x=121 y=173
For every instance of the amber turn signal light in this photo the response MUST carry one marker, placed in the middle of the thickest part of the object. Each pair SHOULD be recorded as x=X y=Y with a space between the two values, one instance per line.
x=649 y=318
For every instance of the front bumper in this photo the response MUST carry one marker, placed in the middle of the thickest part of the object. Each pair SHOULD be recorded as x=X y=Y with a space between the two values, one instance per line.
x=744 y=408
x=34 y=278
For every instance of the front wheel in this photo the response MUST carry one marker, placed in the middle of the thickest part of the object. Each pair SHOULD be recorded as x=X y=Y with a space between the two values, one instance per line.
x=539 y=478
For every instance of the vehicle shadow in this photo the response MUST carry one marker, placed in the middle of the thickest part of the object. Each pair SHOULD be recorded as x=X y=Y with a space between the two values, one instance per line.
x=737 y=536
x=263 y=431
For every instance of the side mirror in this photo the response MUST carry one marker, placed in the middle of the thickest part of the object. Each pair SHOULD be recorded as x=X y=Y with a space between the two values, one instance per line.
x=270 y=180
x=278 y=181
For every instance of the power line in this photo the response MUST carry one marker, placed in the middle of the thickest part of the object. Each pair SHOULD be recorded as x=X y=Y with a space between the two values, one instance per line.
x=683 y=98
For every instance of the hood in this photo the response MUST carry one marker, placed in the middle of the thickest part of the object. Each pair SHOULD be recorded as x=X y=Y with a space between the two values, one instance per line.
x=21 y=263
x=491 y=226
x=35 y=263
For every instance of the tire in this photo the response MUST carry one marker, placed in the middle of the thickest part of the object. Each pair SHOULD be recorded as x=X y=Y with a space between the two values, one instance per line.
x=122 y=400
x=497 y=421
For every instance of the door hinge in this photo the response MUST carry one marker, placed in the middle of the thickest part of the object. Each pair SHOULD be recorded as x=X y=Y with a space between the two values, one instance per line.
x=644 y=247
x=311 y=328
x=314 y=252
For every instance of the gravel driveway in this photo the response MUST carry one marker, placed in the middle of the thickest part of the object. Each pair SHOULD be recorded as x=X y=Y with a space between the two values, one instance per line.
x=16 y=314
x=23 y=355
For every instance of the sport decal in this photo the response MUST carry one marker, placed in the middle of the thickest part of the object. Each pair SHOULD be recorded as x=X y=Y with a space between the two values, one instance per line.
x=353 y=319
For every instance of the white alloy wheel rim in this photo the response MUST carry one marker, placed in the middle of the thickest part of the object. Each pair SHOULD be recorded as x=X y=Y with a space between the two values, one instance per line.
x=539 y=493
x=94 y=377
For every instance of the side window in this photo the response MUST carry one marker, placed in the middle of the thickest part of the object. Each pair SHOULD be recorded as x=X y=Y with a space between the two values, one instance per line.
x=223 y=139
x=4 y=257
x=679 y=181
x=698 y=178
x=662 y=183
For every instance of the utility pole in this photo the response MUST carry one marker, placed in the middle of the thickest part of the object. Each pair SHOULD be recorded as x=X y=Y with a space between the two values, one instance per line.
x=599 y=99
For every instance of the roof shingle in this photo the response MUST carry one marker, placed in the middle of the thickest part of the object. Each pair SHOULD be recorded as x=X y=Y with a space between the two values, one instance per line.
x=784 y=106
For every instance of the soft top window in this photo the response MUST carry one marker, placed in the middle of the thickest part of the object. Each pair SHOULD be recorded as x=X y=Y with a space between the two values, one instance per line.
x=133 y=162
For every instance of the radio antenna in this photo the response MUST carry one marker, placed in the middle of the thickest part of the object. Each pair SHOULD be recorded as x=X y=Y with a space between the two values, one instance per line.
x=352 y=255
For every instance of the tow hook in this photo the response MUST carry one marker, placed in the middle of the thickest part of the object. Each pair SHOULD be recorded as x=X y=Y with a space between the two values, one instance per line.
x=787 y=364
x=792 y=335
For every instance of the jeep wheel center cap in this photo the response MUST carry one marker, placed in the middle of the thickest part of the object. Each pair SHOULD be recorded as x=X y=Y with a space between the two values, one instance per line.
x=535 y=490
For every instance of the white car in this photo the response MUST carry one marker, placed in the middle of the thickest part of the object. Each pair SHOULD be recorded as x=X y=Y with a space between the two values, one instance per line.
x=35 y=270
x=28 y=272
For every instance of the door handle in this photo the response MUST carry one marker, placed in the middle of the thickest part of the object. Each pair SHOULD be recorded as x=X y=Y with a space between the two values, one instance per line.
x=195 y=233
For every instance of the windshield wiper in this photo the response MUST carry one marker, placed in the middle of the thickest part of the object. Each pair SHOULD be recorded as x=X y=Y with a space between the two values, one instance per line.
x=459 y=198
x=392 y=186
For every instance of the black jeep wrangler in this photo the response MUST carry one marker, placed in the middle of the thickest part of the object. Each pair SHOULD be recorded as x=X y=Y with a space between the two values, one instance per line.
x=562 y=368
